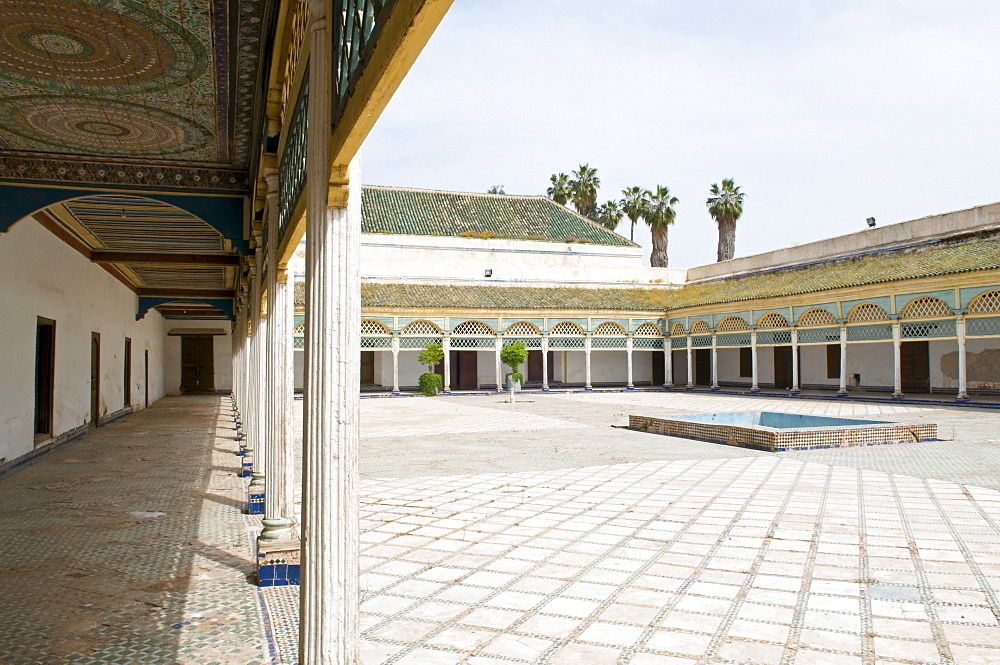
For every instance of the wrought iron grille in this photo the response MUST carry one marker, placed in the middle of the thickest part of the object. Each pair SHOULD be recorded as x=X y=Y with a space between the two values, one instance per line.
x=292 y=166
x=866 y=313
x=421 y=328
x=417 y=342
x=472 y=328
x=529 y=342
x=372 y=327
x=701 y=341
x=733 y=339
x=927 y=329
x=987 y=326
x=473 y=342
x=651 y=343
x=609 y=328
x=298 y=342
x=376 y=342
x=774 y=337
x=648 y=330
x=608 y=343
x=819 y=335
x=817 y=317
x=522 y=328
x=986 y=303
x=567 y=328
x=354 y=38
x=699 y=327
x=677 y=329
x=566 y=343
x=926 y=307
x=678 y=342
x=772 y=320
x=869 y=333
x=732 y=324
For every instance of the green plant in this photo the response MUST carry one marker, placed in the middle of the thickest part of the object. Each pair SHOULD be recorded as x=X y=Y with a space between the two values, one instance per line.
x=514 y=355
x=431 y=384
x=432 y=355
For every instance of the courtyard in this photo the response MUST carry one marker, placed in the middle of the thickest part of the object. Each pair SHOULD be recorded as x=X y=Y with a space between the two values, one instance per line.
x=534 y=532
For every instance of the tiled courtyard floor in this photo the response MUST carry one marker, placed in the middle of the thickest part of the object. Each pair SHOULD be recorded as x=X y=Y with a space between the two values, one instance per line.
x=532 y=532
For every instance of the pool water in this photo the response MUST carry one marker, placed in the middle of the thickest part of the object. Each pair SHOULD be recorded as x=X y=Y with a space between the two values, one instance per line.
x=773 y=419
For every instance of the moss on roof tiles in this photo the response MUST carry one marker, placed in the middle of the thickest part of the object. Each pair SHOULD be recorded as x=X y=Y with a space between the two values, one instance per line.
x=511 y=297
x=403 y=211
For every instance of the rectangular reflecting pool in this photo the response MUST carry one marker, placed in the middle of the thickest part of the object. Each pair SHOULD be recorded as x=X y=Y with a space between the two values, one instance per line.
x=777 y=432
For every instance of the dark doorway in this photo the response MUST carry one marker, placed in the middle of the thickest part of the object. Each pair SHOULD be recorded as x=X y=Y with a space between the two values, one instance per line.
x=127 y=383
x=95 y=379
x=678 y=367
x=145 y=380
x=197 y=365
x=45 y=369
x=914 y=365
x=782 y=367
x=534 y=371
x=367 y=368
x=703 y=367
x=464 y=370
x=658 y=370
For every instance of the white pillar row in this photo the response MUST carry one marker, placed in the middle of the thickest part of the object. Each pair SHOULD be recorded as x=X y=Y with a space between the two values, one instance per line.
x=690 y=363
x=446 y=348
x=796 y=389
x=395 y=364
x=498 y=346
x=628 y=352
x=586 y=350
x=842 y=391
x=963 y=381
x=262 y=419
x=897 y=370
x=545 y=362
x=668 y=363
x=754 y=373
x=329 y=611
x=279 y=500
x=715 y=361
x=252 y=413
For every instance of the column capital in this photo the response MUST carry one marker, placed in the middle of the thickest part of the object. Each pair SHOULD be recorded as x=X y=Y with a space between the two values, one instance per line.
x=271 y=177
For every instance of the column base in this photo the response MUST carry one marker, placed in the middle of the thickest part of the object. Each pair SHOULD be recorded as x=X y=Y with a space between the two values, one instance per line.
x=446 y=391
x=899 y=396
x=754 y=391
x=689 y=386
x=278 y=562
x=794 y=392
x=962 y=398
x=841 y=393
x=545 y=389
x=668 y=388
x=255 y=500
x=629 y=387
x=246 y=467
x=588 y=387
x=715 y=389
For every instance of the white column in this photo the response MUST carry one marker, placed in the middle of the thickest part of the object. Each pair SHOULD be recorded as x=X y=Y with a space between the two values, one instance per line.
x=499 y=346
x=715 y=362
x=586 y=351
x=279 y=501
x=395 y=364
x=963 y=381
x=795 y=361
x=329 y=612
x=628 y=352
x=446 y=348
x=897 y=369
x=668 y=363
x=545 y=363
x=754 y=383
x=843 y=360
x=690 y=363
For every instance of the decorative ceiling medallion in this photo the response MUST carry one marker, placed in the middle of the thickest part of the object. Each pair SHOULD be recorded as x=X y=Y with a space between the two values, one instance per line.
x=114 y=47
x=100 y=126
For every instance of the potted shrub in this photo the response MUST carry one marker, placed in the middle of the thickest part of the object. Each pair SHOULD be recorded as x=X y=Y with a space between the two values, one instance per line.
x=430 y=382
x=513 y=355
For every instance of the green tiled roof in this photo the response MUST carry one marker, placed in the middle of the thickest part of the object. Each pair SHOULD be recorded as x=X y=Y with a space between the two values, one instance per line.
x=425 y=212
x=888 y=266
x=511 y=297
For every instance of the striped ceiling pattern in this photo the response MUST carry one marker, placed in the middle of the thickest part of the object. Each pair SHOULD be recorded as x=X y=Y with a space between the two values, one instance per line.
x=134 y=223
x=183 y=277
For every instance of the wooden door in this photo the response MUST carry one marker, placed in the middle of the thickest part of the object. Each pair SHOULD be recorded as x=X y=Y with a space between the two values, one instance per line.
x=703 y=367
x=680 y=377
x=468 y=370
x=95 y=379
x=658 y=369
x=782 y=367
x=914 y=365
x=534 y=373
x=45 y=364
x=197 y=364
x=367 y=368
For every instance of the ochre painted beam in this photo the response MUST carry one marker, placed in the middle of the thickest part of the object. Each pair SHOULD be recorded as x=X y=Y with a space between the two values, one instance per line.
x=168 y=258
x=187 y=293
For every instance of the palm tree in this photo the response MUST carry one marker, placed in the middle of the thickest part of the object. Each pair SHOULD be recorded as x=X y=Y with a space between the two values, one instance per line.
x=634 y=203
x=608 y=215
x=584 y=186
x=560 y=191
x=726 y=206
x=660 y=216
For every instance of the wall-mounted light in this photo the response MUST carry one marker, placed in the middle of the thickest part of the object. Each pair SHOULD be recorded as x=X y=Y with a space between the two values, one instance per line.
x=489 y=272
x=871 y=222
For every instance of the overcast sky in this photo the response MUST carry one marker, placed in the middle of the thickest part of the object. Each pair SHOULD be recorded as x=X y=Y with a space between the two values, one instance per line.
x=825 y=113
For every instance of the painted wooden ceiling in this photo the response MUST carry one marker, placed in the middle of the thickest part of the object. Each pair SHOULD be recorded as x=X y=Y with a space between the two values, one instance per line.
x=171 y=80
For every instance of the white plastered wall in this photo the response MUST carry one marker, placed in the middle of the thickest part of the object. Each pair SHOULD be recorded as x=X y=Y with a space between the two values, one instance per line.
x=44 y=277
x=222 y=354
